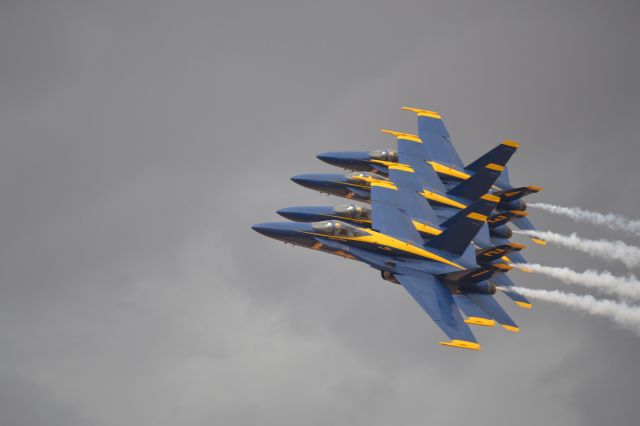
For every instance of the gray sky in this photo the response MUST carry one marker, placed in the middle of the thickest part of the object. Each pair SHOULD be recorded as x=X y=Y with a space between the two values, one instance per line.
x=141 y=139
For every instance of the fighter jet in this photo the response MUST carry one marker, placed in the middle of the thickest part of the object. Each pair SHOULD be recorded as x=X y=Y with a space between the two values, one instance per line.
x=442 y=156
x=441 y=274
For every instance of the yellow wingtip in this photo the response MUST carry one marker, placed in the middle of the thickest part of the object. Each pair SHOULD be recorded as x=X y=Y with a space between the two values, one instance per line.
x=462 y=344
x=510 y=328
x=480 y=321
x=535 y=188
x=525 y=269
x=524 y=305
x=423 y=112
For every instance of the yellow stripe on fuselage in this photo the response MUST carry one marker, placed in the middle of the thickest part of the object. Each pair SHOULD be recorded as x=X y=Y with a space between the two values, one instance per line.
x=378 y=239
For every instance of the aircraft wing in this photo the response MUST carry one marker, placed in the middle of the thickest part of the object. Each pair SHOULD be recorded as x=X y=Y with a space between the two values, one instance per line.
x=386 y=216
x=436 y=300
x=436 y=138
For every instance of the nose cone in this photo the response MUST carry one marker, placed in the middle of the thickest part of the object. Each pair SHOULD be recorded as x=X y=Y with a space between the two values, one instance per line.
x=345 y=159
x=280 y=230
x=306 y=214
x=318 y=180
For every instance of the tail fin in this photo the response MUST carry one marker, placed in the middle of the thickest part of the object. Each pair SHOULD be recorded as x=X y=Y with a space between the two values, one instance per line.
x=411 y=151
x=478 y=184
x=510 y=195
x=463 y=226
x=491 y=254
x=499 y=155
x=502 y=218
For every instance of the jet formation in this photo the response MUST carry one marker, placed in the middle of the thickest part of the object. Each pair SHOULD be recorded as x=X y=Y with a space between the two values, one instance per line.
x=427 y=222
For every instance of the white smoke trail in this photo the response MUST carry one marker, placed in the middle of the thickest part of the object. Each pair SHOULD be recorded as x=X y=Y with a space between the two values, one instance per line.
x=610 y=220
x=628 y=287
x=621 y=313
x=604 y=249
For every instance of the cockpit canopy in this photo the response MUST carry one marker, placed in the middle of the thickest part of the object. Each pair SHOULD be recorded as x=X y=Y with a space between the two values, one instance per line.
x=337 y=229
x=353 y=211
x=364 y=178
x=384 y=155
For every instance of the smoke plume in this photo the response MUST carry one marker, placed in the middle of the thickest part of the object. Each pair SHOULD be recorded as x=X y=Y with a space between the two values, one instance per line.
x=610 y=220
x=603 y=249
x=627 y=287
x=620 y=313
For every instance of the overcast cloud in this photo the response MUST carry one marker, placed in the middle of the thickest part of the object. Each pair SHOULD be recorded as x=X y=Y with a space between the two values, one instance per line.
x=141 y=139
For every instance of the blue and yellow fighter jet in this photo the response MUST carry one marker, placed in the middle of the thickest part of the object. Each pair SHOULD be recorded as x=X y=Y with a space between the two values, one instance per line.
x=442 y=156
x=441 y=274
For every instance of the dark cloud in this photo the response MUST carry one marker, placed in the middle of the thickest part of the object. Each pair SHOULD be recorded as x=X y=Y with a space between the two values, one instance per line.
x=141 y=140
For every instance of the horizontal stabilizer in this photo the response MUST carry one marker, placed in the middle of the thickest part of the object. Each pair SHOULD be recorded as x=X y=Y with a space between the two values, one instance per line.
x=510 y=195
x=502 y=218
x=476 y=275
x=499 y=155
x=475 y=315
x=492 y=254
x=463 y=226
x=489 y=304
x=504 y=283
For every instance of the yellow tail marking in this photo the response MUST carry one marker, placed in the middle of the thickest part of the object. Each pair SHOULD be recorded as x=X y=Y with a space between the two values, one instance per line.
x=401 y=135
x=494 y=166
x=491 y=198
x=423 y=112
x=477 y=216
x=510 y=328
x=441 y=199
x=480 y=321
x=512 y=144
x=524 y=305
x=539 y=241
x=525 y=269
x=462 y=344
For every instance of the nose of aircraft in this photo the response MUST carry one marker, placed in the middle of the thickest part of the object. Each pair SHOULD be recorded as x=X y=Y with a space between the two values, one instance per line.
x=343 y=158
x=305 y=214
x=313 y=180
